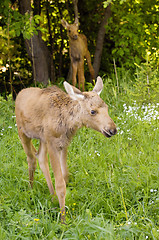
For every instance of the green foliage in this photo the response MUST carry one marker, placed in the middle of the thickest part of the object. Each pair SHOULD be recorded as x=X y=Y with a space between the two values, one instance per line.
x=134 y=30
x=113 y=188
x=147 y=81
x=17 y=23
x=14 y=64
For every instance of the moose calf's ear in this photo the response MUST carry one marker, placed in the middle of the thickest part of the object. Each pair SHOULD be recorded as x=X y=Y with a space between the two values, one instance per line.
x=99 y=86
x=73 y=92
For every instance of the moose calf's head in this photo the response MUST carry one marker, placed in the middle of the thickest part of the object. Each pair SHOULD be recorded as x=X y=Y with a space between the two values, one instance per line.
x=94 y=111
x=72 y=29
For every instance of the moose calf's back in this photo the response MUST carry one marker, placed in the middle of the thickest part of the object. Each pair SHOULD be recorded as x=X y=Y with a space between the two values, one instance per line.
x=39 y=111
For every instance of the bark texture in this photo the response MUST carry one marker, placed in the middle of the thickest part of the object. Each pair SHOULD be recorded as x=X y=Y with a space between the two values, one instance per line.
x=42 y=61
x=100 y=40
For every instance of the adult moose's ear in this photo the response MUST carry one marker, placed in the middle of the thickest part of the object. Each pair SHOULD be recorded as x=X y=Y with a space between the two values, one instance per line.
x=74 y=93
x=76 y=22
x=64 y=23
x=99 y=86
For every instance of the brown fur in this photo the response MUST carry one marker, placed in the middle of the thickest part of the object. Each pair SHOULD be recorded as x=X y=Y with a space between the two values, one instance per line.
x=53 y=117
x=78 y=50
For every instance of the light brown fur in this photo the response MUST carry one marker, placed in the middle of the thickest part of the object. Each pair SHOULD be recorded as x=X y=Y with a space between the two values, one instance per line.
x=77 y=51
x=53 y=117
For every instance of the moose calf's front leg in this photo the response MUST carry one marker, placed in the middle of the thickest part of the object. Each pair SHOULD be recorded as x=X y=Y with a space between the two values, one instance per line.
x=60 y=187
x=60 y=184
x=43 y=162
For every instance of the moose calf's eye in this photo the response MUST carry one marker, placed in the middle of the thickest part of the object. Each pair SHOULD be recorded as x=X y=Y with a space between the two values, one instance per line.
x=93 y=112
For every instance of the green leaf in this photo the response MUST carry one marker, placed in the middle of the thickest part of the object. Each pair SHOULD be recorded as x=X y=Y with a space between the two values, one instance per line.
x=106 y=3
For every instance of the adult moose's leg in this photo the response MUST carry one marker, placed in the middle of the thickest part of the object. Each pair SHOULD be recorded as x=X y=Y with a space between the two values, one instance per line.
x=43 y=162
x=74 y=72
x=30 y=152
x=60 y=184
x=81 y=78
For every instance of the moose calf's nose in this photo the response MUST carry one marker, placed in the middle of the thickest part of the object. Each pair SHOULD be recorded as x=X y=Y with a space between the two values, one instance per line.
x=113 y=131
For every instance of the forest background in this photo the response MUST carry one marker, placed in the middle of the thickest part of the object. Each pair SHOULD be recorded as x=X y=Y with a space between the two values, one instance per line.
x=113 y=189
x=122 y=34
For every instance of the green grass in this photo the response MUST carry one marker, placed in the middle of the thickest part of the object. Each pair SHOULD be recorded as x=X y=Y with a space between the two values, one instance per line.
x=113 y=192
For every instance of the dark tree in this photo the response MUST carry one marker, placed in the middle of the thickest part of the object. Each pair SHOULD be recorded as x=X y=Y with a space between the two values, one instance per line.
x=100 y=40
x=41 y=57
x=93 y=18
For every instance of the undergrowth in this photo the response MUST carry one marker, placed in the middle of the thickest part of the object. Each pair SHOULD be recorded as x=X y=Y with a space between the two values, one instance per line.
x=113 y=191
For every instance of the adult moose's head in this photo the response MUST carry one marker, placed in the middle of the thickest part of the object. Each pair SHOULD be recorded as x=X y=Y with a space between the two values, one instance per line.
x=72 y=29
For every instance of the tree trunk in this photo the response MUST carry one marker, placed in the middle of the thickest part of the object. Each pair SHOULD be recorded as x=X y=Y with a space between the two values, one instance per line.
x=62 y=40
x=100 y=40
x=75 y=4
x=42 y=61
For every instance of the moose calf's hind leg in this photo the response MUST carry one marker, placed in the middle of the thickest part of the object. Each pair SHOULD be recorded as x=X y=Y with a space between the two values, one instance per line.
x=30 y=152
x=63 y=162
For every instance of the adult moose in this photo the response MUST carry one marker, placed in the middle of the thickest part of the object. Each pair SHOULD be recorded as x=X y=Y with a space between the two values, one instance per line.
x=78 y=49
x=53 y=117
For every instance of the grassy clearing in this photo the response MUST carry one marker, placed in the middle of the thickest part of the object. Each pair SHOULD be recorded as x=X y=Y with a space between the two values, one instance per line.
x=113 y=192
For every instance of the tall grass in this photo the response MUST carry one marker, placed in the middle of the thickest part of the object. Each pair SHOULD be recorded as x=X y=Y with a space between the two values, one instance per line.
x=113 y=192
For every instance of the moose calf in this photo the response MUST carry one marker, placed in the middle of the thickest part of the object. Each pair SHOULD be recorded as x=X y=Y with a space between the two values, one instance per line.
x=53 y=117
x=78 y=50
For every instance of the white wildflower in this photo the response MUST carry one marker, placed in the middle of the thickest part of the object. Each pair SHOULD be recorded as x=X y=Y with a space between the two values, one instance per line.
x=98 y=154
